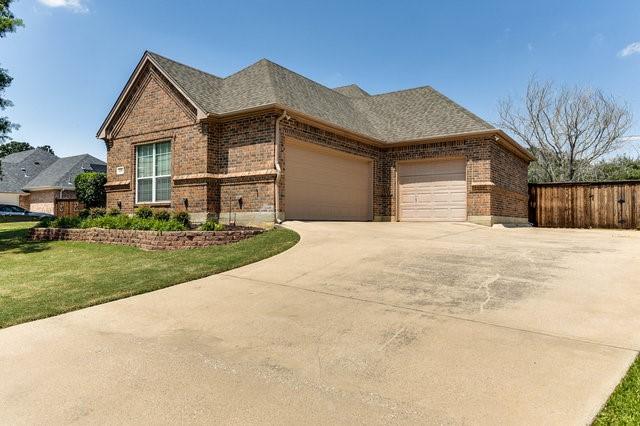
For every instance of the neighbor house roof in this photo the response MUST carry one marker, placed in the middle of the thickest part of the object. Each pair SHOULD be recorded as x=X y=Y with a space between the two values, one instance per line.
x=62 y=173
x=408 y=115
x=19 y=168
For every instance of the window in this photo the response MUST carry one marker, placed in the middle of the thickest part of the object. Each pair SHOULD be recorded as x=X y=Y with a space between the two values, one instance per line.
x=153 y=172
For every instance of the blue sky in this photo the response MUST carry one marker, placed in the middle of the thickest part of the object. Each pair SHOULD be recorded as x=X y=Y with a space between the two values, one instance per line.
x=74 y=56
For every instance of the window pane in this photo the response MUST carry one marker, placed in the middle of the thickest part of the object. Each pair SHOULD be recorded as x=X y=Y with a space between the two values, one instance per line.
x=144 y=190
x=145 y=160
x=163 y=159
x=163 y=189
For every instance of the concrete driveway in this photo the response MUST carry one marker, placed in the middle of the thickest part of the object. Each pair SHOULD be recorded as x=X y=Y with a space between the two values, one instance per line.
x=359 y=323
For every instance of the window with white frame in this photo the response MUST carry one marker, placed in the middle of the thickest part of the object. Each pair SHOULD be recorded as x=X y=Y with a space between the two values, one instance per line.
x=153 y=172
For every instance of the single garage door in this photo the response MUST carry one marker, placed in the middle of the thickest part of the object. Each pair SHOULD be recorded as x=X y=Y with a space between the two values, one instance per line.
x=432 y=191
x=324 y=184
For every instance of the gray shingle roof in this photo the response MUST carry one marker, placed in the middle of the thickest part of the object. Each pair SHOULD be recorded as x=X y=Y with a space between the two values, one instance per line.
x=63 y=171
x=33 y=161
x=352 y=90
x=418 y=113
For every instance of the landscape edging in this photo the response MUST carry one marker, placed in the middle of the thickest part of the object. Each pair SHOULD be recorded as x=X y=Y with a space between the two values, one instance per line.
x=147 y=240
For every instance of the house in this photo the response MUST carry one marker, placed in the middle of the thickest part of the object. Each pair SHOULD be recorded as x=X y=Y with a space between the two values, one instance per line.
x=35 y=179
x=266 y=144
x=17 y=169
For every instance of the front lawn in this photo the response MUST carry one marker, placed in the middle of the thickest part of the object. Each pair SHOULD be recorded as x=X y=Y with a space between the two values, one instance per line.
x=623 y=407
x=41 y=279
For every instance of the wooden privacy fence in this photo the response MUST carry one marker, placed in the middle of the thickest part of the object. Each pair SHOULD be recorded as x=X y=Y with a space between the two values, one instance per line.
x=585 y=205
x=67 y=207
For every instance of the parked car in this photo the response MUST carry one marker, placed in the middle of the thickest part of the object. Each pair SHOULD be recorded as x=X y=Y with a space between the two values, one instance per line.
x=10 y=213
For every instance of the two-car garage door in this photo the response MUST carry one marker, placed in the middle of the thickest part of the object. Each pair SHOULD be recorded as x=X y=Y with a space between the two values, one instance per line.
x=324 y=184
x=434 y=190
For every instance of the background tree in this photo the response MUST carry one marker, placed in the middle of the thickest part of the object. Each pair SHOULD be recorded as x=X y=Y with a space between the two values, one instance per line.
x=622 y=167
x=566 y=129
x=13 y=147
x=90 y=189
x=8 y=23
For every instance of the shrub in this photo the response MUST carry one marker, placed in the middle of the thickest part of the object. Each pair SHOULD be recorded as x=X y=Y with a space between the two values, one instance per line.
x=66 y=222
x=90 y=189
x=137 y=223
x=211 y=225
x=45 y=223
x=84 y=213
x=97 y=212
x=144 y=212
x=183 y=218
x=162 y=215
x=108 y=222
x=114 y=212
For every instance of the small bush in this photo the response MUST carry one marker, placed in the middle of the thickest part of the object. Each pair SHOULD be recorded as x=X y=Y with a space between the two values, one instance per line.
x=137 y=223
x=114 y=212
x=183 y=218
x=66 y=222
x=97 y=212
x=162 y=215
x=211 y=225
x=84 y=213
x=45 y=223
x=144 y=212
x=107 y=222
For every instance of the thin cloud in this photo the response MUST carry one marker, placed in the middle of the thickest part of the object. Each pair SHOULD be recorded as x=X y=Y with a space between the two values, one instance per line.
x=77 y=6
x=630 y=49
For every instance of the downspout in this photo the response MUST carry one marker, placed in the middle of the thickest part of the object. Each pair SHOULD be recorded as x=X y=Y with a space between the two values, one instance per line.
x=276 y=163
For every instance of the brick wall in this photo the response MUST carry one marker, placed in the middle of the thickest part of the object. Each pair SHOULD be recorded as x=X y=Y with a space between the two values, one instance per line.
x=509 y=173
x=25 y=201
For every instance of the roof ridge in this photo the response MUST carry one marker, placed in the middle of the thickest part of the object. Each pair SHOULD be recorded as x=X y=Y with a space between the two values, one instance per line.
x=272 y=85
x=184 y=65
x=462 y=109
x=411 y=89
x=299 y=75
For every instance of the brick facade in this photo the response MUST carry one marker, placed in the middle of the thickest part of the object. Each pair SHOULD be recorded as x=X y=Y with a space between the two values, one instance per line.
x=226 y=167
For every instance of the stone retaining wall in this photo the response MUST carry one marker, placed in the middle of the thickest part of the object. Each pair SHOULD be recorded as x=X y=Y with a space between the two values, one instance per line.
x=147 y=240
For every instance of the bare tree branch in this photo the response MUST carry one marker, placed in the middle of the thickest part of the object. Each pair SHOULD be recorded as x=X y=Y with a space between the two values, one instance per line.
x=567 y=129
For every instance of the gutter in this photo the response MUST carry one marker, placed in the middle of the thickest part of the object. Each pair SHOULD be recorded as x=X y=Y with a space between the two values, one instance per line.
x=46 y=188
x=276 y=164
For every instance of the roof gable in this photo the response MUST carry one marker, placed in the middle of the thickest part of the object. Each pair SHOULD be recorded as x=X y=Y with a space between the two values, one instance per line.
x=177 y=76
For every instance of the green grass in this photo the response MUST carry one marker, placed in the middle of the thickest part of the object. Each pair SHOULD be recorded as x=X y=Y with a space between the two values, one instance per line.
x=41 y=279
x=623 y=406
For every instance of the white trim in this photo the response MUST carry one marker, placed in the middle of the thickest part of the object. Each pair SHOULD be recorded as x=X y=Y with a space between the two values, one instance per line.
x=154 y=176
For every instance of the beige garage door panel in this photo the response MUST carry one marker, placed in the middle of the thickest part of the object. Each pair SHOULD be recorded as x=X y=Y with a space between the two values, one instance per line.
x=323 y=185
x=433 y=191
x=9 y=198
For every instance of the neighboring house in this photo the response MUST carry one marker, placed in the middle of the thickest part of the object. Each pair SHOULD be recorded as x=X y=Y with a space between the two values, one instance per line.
x=17 y=169
x=267 y=144
x=37 y=188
